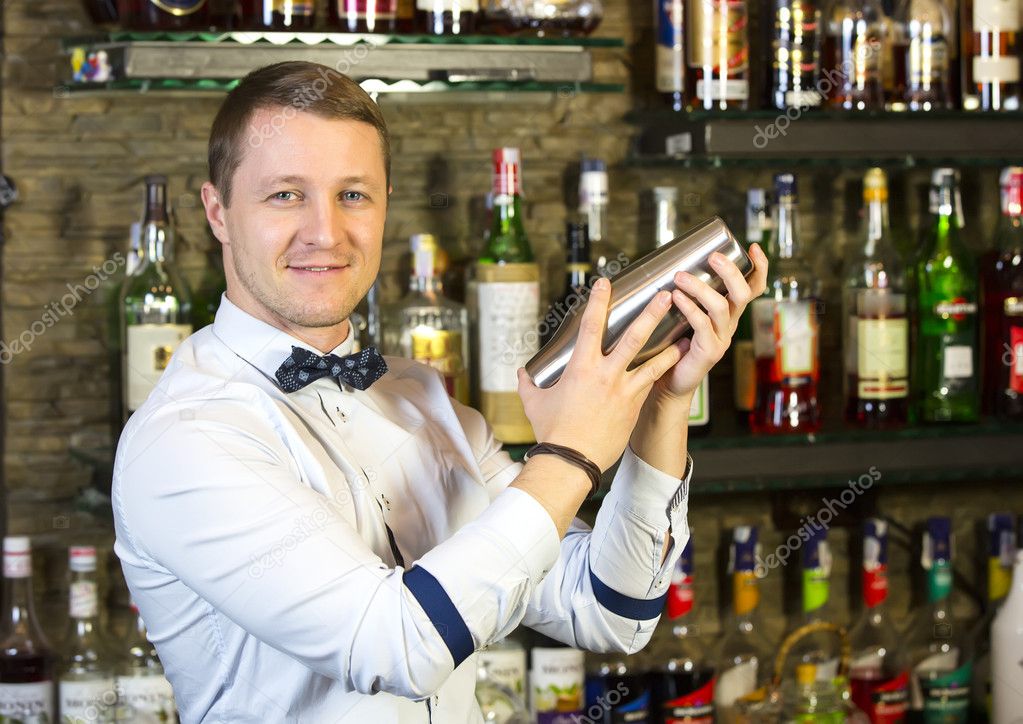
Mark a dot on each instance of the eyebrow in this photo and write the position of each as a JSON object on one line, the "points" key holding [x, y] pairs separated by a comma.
{"points": [[292, 179]]}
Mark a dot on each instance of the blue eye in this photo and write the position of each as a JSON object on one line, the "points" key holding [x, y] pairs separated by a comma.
{"points": [[278, 196], [353, 196]]}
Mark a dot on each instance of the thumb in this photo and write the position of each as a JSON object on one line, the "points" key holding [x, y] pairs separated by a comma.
{"points": [[526, 386]]}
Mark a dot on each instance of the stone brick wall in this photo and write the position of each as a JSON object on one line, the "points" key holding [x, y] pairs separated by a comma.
{"points": [[79, 163]]}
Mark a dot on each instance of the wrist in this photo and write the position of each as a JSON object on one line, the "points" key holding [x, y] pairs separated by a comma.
{"points": [[667, 406]]}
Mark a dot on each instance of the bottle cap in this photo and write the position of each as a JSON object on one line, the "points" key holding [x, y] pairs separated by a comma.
{"points": [[937, 541], [815, 549], [944, 175], [82, 559], [756, 197], [665, 193], [507, 174], [17, 557], [1002, 537], [875, 185], [592, 165], [744, 549], [156, 179], [785, 186], [875, 543]]}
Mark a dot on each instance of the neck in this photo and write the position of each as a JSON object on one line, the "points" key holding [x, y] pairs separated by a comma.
{"points": [[322, 339]]}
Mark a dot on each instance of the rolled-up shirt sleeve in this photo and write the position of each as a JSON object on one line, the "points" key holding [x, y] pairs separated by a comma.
{"points": [[607, 589], [200, 496]]}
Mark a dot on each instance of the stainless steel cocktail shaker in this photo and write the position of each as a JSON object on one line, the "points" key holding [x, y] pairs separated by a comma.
{"points": [[634, 287]]}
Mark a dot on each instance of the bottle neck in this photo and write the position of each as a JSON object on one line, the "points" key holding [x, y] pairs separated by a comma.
{"points": [[745, 596], [877, 225], [426, 285], [939, 584], [508, 241], [816, 591], [947, 222], [785, 239], [20, 609]]}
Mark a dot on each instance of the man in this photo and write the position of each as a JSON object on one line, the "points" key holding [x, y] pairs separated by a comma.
{"points": [[313, 537]]}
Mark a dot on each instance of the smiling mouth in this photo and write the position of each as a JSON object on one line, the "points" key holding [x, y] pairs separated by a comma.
{"points": [[317, 269]]}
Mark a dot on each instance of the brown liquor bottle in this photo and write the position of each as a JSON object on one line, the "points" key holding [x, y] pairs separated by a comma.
{"points": [[164, 14], [447, 17], [363, 16], [279, 14]]}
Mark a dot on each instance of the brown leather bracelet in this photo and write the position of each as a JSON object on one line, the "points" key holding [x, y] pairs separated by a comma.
{"points": [[571, 456]]}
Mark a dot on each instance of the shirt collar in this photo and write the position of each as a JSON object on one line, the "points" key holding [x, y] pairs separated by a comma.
{"points": [[261, 344]]}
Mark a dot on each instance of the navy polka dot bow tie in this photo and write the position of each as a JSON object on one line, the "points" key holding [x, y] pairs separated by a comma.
{"points": [[359, 370]]}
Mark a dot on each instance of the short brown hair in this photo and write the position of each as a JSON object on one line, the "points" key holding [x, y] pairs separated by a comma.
{"points": [[300, 85]]}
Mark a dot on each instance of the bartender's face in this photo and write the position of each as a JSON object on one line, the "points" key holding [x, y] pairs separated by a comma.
{"points": [[303, 233]]}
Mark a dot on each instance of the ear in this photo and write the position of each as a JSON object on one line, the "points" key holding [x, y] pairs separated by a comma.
{"points": [[215, 212]]}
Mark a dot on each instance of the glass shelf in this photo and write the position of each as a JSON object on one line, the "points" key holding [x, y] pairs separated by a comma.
{"points": [[987, 451], [247, 37], [772, 162]]}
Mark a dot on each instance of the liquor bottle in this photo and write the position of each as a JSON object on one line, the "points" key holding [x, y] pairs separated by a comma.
{"points": [[946, 349], [1007, 652], [991, 55], [405, 20], [542, 18], [796, 54], [447, 17], [498, 703], [717, 54], [785, 328], [937, 644], [212, 286], [741, 657], [506, 664], [876, 328], [578, 272], [617, 690], [819, 649], [508, 299], [593, 211], [102, 12], [164, 14], [922, 55], [86, 670], [670, 60], [278, 14], [155, 305], [1003, 304], [26, 659], [813, 699], [1002, 546], [557, 675], [363, 16], [683, 683], [144, 694], [666, 214], [877, 672], [855, 45], [426, 326], [743, 359]]}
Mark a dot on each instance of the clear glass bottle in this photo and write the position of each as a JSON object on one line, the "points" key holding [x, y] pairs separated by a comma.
{"points": [[447, 17], [990, 32], [937, 644], [878, 671], [594, 202], [499, 704], [796, 54], [508, 305], [544, 18], [578, 273], [786, 328], [855, 45], [1003, 304], [428, 327], [683, 679], [946, 381], [506, 664], [744, 364], [819, 649], [922, 55], [742, 657], [717, 54], [1002, 546], [670, 58], [155, 304], [27, 662], [86, 691], [876, 326], [144, 694]]}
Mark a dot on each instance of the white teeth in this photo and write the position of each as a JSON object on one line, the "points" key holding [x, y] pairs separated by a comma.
{"points": [[316, 268]]}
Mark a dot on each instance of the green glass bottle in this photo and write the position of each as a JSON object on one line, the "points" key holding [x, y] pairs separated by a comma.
{"points": [[947, 387]]}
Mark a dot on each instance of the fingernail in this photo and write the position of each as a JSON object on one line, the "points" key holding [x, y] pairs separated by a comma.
{"points": [[663, 298], [601, 284]]}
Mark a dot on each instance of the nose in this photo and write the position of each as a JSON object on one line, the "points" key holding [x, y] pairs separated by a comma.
{"points": [[324, 224]]}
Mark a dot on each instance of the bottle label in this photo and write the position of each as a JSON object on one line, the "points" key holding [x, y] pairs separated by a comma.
{"points": [[84, 599], [745, 374], [694, 708], [875, 585], [442, 350], [735, 683], [927, 58], [87, 701], [506, 666], [367, 9], [149, 350], [745, 592], [1016, 358], [787, 331], [680, 593], [815, 588], [556, 685], [455, 7], [884, 701], [717, 29], [17, 564], [508, 313], [699, 411], [670, 46], [722, 90], [957, 361], [939, 580], [179, 8], [635, 711], [1001, 69], [882, 359], [27, 702], [946, 697], [146, 699], [1002, 15], [293, 7]]}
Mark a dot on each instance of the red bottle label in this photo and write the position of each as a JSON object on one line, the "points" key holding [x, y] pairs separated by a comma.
{"points": [[680, 596], [695, 708], [1015, 359], [885, 701], [875, 585]]}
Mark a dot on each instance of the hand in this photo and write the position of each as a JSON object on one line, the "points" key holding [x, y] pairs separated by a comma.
{"points": [[713, 328], [593, 407]]}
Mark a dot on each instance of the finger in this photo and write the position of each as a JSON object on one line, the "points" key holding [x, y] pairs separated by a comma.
{"points": [[658, 365], [527, 388], [589, 344], [716, 305], [739, 292], [633, 339], [758, 281], [703, 328]]}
